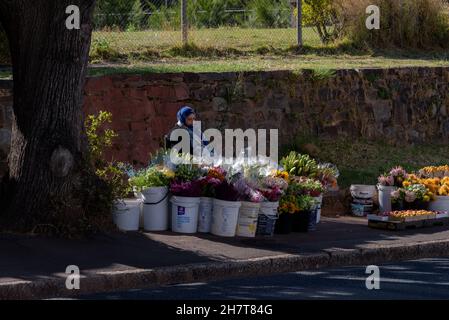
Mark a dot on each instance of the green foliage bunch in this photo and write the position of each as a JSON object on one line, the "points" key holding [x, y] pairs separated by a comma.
{"points": [[301, 165], [150, 177]]}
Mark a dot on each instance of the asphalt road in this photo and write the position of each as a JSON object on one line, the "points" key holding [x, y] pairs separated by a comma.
{"points": [[417, 279]]}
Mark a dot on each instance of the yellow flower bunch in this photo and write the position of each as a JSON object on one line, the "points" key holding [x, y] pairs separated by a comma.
{"points": [[282, 174], [410, 213], [435, 171], [433, 186], [168, 172]]}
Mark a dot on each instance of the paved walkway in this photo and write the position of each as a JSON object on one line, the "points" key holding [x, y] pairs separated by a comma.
{"points": [[37, 258]]}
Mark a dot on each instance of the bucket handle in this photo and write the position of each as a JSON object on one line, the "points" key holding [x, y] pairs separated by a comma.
{"points": [[154, 203]]}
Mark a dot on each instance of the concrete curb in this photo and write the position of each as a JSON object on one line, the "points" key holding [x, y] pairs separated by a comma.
{"points": [[199, 272]]}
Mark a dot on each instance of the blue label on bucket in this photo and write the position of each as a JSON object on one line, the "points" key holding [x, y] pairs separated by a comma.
{"points": [[181, 211]]}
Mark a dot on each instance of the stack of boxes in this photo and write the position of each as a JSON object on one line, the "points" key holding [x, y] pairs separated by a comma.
{"points": [[362, 200]]}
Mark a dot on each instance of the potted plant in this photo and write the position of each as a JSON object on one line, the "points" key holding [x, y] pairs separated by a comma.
{"points": [[226, 209], [152, 185], [186, 191], [387, 183]]}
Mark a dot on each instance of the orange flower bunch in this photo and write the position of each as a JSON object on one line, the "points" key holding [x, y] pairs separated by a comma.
{"points": [[436, 186]]}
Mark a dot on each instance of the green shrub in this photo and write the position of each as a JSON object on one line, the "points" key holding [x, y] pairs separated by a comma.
{"points": [[324, 16], [212, 13], [115, 14], [269, 14], [420, 24], [163, 17]]}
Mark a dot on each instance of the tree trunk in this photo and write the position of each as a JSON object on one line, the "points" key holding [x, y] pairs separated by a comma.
{"points": [[49, 67]]}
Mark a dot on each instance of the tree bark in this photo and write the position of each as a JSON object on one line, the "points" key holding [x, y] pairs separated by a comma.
{"points": [[49, 68]]}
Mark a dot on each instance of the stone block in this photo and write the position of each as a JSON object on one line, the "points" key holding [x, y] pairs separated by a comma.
{"points": [[382, 110]]}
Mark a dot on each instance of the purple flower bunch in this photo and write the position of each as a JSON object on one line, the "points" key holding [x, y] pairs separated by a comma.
{"points": [[272, 188], [247, 191], [208, 184], [186, 188], [227, 191]]}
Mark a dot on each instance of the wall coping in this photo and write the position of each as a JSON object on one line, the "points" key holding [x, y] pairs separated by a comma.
{"points": [[7, 83]]}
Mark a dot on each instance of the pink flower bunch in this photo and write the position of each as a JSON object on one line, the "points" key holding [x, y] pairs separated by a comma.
{"points": [[399, 172], [395, 177], [247, 191], [386, 180], [272, 194], [186, 189], [208, 184]]}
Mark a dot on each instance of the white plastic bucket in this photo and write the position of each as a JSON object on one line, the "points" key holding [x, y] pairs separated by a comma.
{"points": [[247, 223], [154, 194], [205, 214], [269, 208], [441, 203], [225, 217], [185, 214], [319, 202], [247, 227], [385, 198], [155, 209], [362, 191], [126, 214]]}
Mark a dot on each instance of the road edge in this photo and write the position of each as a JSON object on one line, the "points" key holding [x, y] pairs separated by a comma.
{"points": [[200, 272]]}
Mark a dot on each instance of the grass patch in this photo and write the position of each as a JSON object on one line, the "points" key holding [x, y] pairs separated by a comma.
{"points": [[326, 63], [361, 161], [241, 39]]}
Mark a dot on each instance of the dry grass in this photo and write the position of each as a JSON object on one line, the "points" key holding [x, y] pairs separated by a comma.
{"points": [[422, 24]]}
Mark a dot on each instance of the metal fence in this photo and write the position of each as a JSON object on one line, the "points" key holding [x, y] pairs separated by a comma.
{"points": [[134, 25]]}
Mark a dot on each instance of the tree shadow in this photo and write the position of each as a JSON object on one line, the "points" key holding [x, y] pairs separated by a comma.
{"points": [[418, 279], [31, 257]]}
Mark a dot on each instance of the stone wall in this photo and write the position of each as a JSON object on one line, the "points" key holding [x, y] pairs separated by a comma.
{"points": [[404, 105]]}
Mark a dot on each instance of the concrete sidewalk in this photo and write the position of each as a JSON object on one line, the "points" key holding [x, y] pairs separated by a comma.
{"points": [[34, 267]]}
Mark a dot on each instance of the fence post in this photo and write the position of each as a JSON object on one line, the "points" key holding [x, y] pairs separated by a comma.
{"points": [[184, 22], [299, 22]]}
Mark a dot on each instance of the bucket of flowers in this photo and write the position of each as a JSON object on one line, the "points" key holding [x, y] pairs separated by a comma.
{"points": [[126, 211], [328, 174], [272, 188], [313, 188], [152, 185], [387, 183], [186, 193], [212, 177], [288, 207], [297, 209], [226, 207], [411, 197], [250, 199], [436, 179]]}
